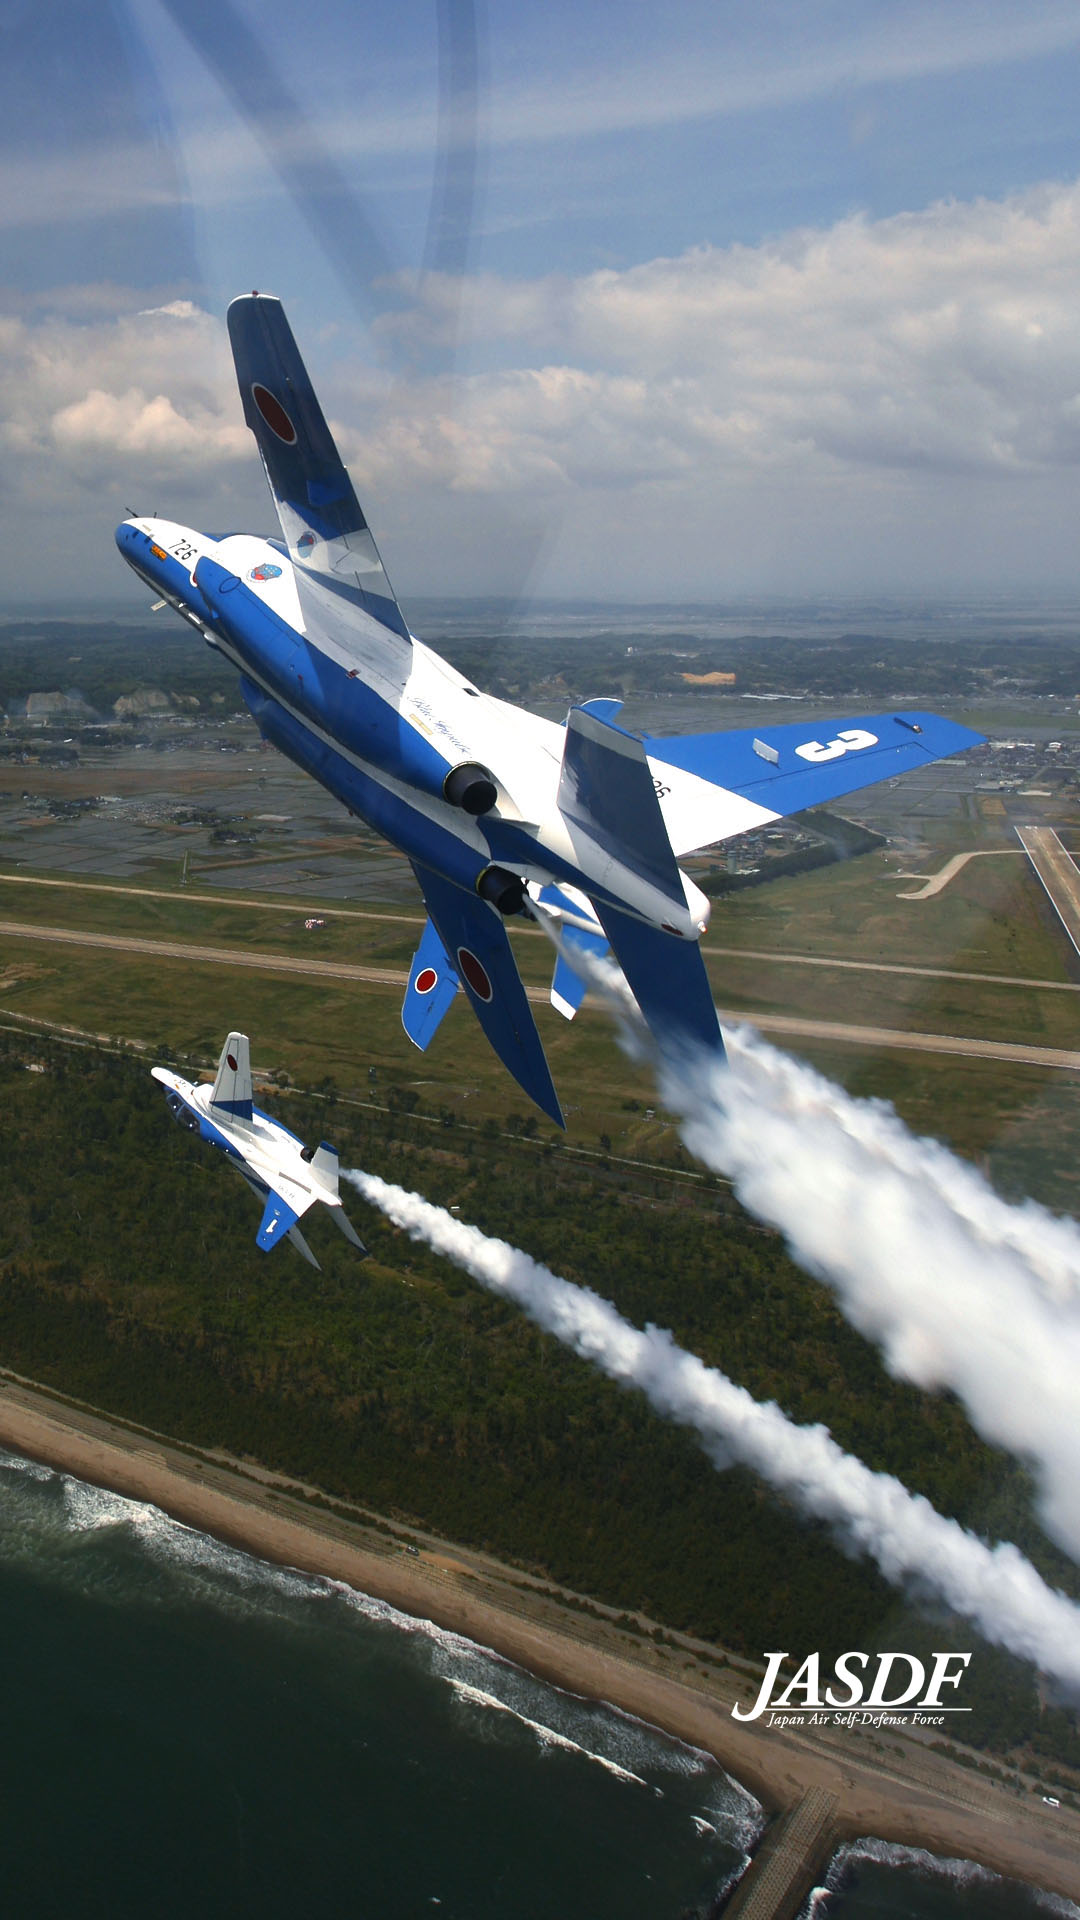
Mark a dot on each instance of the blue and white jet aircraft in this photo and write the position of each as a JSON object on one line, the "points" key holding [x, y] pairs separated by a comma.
{"points": [[287, 1176], [501, 813]]}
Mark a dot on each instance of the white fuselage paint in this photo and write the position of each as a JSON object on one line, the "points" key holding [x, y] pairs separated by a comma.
{"points": [[268, 1151], [522, 751]]}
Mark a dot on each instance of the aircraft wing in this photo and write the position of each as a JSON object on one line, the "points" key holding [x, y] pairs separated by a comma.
{"points": [[277, 1218], [475, 937], [321, 519], [279, 1223], [713, 786]]}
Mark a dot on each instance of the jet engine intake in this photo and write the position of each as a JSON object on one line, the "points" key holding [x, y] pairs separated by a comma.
{"points": [[470, 787], [501, 889]]}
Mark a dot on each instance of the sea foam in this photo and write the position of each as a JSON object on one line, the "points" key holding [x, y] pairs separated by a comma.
{"points": [[73, 1513], [886, 1853]]}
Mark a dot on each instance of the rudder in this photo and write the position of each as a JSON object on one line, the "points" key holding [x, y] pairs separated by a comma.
{"points": [[231, 1091]]}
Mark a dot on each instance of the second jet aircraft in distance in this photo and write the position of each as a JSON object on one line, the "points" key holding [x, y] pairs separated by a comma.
{"points": [[287, 1176]]}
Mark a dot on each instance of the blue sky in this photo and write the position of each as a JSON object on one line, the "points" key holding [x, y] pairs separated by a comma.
{"points": [[691, 302]]}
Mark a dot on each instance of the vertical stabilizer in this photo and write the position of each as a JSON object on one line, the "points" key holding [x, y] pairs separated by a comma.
{"points": [[324, 528], [232, 1088]]}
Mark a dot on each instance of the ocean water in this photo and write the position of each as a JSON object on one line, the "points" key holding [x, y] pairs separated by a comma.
{"points": [[871, 1880], [187, 1730]]}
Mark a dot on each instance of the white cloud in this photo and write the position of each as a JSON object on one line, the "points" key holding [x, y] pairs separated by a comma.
{"points": [[79, 399], [868, 406], [946, 340]]}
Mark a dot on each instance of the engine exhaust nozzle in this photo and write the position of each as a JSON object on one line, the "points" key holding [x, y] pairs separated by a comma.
{"points": [[502, 889], [470, 787]]}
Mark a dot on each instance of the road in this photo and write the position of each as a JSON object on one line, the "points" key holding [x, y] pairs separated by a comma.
{"points": [[1059, 874], [773, 956], [936, 881], [222, 899], [832, 1032]]}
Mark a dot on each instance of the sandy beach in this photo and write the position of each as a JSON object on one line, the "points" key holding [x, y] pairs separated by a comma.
{"points": [[885, 1785]]}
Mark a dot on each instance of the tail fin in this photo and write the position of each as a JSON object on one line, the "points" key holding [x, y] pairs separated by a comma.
{"points": [[232, 1086], [608, 791], [321, 520]]}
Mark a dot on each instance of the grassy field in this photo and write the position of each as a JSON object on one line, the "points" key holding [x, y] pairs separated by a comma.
{"points": [[1022, 1123], [992, 918]]}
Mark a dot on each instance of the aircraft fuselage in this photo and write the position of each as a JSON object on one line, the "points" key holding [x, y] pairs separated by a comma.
{"points": [[393, 731]]}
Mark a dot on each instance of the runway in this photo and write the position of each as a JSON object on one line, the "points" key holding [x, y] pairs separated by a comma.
{"points": [[831, 1032], [1059, 874]]}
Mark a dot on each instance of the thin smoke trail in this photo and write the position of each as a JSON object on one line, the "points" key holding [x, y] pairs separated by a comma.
{"points": [[994, 1587], [958, 1288]]}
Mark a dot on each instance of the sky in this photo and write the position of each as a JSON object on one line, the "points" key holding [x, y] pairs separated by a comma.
{"points": [[703, 302]]}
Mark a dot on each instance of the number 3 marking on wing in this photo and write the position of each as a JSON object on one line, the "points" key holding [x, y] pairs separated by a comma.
{"points": [[850, 741]]}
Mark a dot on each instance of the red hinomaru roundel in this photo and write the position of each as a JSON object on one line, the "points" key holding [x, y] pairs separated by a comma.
{"points": [[474, 974], [426, 980], [274, 414], [231, 1058]]}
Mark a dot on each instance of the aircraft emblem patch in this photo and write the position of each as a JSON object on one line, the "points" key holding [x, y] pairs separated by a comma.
{"points": [[274, 414], [474, 974]]}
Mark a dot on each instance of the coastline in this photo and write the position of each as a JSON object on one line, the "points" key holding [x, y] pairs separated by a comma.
{"points": [[913, 1797]]}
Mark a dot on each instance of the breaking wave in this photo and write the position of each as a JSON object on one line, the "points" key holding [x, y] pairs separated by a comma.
{"points": [[547, 1736], [98, 1542], [929, 1866]]}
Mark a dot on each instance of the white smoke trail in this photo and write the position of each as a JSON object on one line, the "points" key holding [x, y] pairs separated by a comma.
{"points": [[996, 1587], [958, 1288]]}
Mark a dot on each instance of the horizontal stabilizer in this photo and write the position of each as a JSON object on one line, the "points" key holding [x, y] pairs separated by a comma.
{"points": [[568, 987], [345, 1225], [431, 990], [476, 938], [320, 516], [667, 978], [608, 791], [231, 1092], [294, 1234]]}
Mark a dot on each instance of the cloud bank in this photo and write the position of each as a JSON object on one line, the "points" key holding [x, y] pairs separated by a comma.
{"points": [[856, 408]]}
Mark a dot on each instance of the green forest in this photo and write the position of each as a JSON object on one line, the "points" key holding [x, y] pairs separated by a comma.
{"points": [[129, 1279]]}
